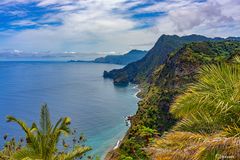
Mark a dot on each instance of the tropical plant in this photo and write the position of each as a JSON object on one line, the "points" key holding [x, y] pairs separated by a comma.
{"points": [[209, 114], [146, 133], [41, 142], [165, 83], [195, 146], [212, 103]]}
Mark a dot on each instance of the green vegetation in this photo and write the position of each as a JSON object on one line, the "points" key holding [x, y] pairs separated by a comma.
{"points": [[142, 70], [209, 111], [41, 141], [169, 81], [189, 109]]}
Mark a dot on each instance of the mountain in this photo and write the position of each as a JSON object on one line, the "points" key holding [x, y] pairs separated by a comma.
{"points": [[132, 56], [169, 80], [142, 69], [234, 38]]}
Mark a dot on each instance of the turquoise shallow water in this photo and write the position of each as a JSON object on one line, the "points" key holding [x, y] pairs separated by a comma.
{"points": [[77, 90]]}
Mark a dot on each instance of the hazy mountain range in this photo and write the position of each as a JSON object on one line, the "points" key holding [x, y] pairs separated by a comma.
{"points": [[143, 68], [164, 74], [131, 56]]}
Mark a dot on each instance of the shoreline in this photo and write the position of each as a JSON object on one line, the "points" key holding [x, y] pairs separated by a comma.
{"points": [[119, 141], [117, 145], [136, 96], [139, 90]]}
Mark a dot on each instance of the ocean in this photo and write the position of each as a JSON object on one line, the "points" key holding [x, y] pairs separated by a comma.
{"points": [[78, 90]]}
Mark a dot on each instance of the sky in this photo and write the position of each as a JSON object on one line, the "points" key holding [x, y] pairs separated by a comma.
{"points": [[108, 26]]}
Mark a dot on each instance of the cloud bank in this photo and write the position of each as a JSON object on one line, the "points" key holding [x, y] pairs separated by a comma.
{"points": [[110, 25]]}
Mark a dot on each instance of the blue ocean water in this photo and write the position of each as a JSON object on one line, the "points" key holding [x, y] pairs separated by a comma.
{"points": [[77, 90]]}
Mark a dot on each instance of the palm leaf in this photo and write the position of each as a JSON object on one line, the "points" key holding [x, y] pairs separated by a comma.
{"points": [[42, 142], [77, 152], [216, 95], [45, 121], [22, 124], [26, 153]]}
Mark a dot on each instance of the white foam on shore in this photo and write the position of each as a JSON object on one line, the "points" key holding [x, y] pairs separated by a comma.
{"points": [[117, 145], [135, 95], [138, 91]]}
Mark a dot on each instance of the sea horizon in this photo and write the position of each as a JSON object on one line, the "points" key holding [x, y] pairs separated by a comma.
{"points": [[28, 84]]}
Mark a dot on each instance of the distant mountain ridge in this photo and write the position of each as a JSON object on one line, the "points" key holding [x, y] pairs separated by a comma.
{"points": [[127, 58], [142, 69], [131, 56]]}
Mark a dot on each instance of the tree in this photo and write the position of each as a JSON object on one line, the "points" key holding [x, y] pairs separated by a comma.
{"points": [[147, 133], [42, 140]]}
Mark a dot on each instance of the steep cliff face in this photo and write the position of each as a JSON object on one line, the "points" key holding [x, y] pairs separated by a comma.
{"points": [[169, 80], [142, 70]]}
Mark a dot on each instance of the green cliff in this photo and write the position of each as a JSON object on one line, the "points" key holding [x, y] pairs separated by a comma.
{"points": [[169, 79], [142, 69]]}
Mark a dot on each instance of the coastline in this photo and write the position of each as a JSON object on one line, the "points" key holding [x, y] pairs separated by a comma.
{"points": [[119, 141], [137, 97], [115, 144], [137, 93]]}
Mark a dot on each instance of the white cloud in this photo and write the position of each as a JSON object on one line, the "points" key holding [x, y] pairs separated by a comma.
{"points": [[3, 2], [91, 30], [195, 15], [93, 26], [23, 23], [211, 18], [17, 51], [50, 2]]}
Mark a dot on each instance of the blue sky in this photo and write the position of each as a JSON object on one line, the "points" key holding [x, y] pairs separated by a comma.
{"points": [[109, 26]]}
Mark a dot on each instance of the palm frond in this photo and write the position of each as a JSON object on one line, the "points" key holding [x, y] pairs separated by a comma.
{"points": [[237, 59], [64, 127], [30, 137], [200, 122], [57, 125], [216, 95], [187, 145], [178, 140], [22, 124], [232, 131], [41, 143], [209, 118], [216, 146], [26, 153], [45, 121], [77, 152]]}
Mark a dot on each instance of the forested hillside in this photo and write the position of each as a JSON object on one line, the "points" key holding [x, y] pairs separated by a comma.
{"points": [[168, 81], [142, 70]]}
